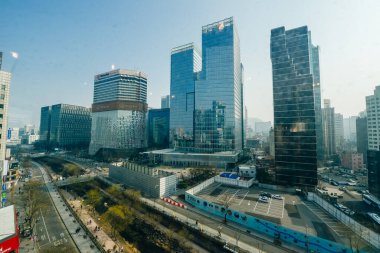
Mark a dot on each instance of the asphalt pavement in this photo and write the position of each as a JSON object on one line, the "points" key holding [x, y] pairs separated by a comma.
{"points": [[57, 238]]}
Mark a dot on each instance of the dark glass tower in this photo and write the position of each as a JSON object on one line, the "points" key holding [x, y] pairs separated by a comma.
{"points": [[294, 79], [362, 136], [219, 90]]}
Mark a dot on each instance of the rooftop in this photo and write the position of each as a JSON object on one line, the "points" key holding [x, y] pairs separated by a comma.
{"points": [[121, 72], [8, 223]]}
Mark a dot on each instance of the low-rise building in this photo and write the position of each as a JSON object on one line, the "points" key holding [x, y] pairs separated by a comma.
{"points": [[150, 181], [352, 160]]}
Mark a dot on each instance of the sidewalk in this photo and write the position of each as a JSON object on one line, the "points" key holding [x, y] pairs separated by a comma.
{"points": [[91, 224], [83, 242]]}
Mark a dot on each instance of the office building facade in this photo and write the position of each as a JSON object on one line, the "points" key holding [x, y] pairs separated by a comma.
{"points": [[65, 126], [352, 160], [339, 131], [119, 111], [219, 91], [5, 81], [349, 125], [373, 153], [165, 102], [294, 83], [328, 122], [158, 128], [317, 101], [362, 136], [45, 120], [185, 63]]}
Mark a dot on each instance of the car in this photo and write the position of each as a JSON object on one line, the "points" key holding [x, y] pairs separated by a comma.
{"points": [[374, 217], [263, 199], [276, 196], [265, 194]]}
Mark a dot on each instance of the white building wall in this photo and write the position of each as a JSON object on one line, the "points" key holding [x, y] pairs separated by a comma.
{"points": [[5, 80]]}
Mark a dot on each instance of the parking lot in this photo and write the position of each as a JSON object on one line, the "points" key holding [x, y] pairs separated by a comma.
{"points": [[290, 211], [246, 200]]}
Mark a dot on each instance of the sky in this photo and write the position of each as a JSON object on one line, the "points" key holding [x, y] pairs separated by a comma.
{"points": [[63, 44]]}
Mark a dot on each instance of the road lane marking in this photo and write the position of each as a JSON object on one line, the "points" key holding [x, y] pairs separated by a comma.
{"points": [[45, 225], [270, 202], [231, 198], [243, 198]]}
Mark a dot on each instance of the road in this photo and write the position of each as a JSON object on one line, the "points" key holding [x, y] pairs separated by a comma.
{"points": [[83, 242], [50, 233]]}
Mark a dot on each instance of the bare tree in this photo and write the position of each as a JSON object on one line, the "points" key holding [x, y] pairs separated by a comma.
{"points": [[34, 201]]}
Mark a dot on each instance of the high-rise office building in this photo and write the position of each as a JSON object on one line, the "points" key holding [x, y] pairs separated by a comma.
{"points": [[349, 125], [119, 111], [362, 136], [5, 81], [339, 131], [219, 90], [64, 125], [185, 63], [295, 118], [165, 101], [373, 153], [328, 122], [70, 126], [45, 120], [317, 101], [158, 127]]}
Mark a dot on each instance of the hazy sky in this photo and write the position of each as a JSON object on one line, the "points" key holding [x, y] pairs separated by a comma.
{"points": [[63, 44]]}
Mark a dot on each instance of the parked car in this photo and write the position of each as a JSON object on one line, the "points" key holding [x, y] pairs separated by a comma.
{"points": [[276, 196], [266, 194], [263, 199]]}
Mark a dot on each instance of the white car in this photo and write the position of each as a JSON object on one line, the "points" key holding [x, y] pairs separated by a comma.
{"points": [[263, 199], [276, 196]]}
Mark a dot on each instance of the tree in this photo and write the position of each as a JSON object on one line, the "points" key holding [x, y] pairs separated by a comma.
{"points": [[133, 195], [226, 204], [118, 216], [93, 198], [34, 201], [115, 191]]}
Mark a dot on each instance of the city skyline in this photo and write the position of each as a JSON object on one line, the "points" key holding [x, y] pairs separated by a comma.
{"points": [[68, 63]]}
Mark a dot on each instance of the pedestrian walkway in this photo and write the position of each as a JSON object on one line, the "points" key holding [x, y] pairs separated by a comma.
{"points": [[83, 242], [92, 225]]}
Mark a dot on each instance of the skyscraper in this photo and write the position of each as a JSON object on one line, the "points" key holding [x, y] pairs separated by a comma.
{"points": [[185, 63], [362, 136], [294, 81], [165, 101], [349, 125], [5, 81], [373, 153], [218, 90], [317, 101], [119, 111], [339, 131], [328, 122], [45, 121], [70, 126]]}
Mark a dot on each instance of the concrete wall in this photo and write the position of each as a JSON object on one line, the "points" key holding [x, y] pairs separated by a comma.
{"points": [[234, 182], [151, 185]]}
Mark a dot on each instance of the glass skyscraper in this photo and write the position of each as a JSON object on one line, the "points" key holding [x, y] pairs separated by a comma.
{"points": [[294, 76], [185, 63], [219, 91]]}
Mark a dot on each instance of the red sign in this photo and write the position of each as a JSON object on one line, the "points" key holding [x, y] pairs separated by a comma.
{"points": [[10, 245]]}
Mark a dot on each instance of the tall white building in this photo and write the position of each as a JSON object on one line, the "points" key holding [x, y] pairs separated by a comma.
{"points": [[5, 81], [339, 131], [119, 111], [349, 125], [373, 120]]}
